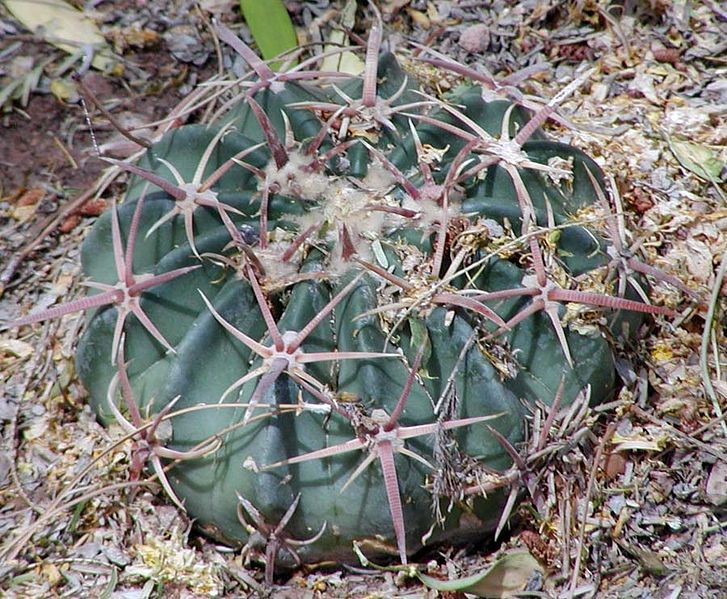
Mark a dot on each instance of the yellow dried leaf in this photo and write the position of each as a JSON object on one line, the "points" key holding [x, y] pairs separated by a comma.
{"points": [[433, 13], [662, 353], [134, 37], [52, 574], [15, 347], [23, 213], [419, 18], [63, 89], [346, 62], [699, 159], [38, 429], [62, 25], [641, 440]]}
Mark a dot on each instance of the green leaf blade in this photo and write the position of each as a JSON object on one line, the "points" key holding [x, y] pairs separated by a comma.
{"points": [[270, 26], [505, 578]]}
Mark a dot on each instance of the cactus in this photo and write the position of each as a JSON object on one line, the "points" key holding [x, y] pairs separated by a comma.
{"points": [[351, 294]]}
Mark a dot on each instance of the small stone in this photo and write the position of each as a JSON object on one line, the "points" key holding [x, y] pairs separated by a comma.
{"points": [[716, 488], [88, 550], [475, 39], [614, 465]]}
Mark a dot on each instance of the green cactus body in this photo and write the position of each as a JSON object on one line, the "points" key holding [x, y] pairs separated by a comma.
{"points": [[348, 202]]}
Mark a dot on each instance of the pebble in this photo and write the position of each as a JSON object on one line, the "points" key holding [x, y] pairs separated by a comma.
{"points": [[475, 39]]}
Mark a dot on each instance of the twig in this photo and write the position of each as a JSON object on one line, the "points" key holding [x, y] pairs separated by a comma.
{"points": [[564, 513], [66, 153], [91, 97], [717, 526], [215, 39], [710, 424], [586, 500], [704, 350], [616, 29]]}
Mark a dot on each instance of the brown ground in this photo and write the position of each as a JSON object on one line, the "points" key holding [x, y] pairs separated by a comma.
{"points": [[655, 523]]}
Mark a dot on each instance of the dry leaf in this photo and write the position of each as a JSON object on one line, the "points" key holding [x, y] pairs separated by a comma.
{"points": [[507, 577], [347, 62], [645, 439], [15, 347], [63, 26], [23, 213], [699, 159], [64, 89], [699, 260], [419, 18], [644, 84]]}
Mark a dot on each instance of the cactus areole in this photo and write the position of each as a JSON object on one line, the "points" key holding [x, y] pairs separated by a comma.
{"points": [[324, 305]]}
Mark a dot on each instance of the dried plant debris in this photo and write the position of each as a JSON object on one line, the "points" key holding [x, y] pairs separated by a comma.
{"points": [[80, 514]]}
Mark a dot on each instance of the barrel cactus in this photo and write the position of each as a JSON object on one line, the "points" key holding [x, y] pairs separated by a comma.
{"points": [[326, 311]]}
